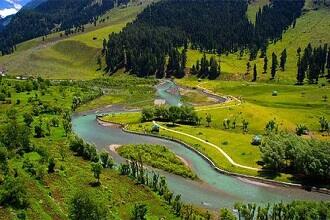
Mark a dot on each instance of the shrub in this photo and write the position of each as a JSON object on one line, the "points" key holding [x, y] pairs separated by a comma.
{"points": [[84, 207], [13, 193], [51, 165], [302, 130], [139, 212]]}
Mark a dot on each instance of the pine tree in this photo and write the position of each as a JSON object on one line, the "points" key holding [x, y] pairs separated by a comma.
{"points": [[274, 65], [328, 63], [265, 64], [323, 60], [204, 69], [248, 67], [300, 74], [213, 73], [254, 73], [283, 59]]}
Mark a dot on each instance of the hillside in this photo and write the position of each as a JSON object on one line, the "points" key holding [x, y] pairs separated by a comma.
{"points": [[72, 57], [49, 16], [312, 27]]}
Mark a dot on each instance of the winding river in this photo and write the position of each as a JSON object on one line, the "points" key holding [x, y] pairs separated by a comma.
{"points": [[214, 190]]}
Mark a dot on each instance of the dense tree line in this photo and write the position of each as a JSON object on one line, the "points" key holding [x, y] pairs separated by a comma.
{"points": [[292, 210], [49, 16], [205, 68], [215, 26], [312, 64], [183, 114], [309, 159]]}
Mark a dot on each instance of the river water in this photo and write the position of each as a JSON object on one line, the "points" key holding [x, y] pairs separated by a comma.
{"points": [[213, 190]]}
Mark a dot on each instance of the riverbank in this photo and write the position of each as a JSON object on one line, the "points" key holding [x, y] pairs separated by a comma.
{"points": [[251, 179]]}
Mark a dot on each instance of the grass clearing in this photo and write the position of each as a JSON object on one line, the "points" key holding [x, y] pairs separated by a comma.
{"points": [[157, 156]]}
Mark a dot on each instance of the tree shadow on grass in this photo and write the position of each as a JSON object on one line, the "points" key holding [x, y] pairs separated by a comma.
{"points": [[95, 184], [306, 183], [171, 125]]}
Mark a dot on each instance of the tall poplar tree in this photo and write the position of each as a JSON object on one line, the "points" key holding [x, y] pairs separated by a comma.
{"points": [[274, 65]]}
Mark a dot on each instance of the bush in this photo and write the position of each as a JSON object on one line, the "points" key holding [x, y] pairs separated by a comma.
{"points": [[84, 207], [13, 193], [256, 140], [287, 152], [139, 212], [87, 151], [302, 130], [51, 165]]}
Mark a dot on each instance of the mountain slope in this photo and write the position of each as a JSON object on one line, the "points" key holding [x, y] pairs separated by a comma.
{"points": [[72, 57], [49, 16]]}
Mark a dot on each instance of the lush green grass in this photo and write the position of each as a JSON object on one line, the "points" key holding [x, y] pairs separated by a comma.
{"points": [[293, 105], [157, 156], [50, 197], [125, 90]]}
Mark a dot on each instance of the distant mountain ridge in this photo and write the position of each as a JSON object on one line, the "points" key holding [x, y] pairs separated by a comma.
{"points": [[33, 4]]}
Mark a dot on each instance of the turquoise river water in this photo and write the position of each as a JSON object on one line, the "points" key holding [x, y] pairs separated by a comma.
{"points": [[213, 190]]}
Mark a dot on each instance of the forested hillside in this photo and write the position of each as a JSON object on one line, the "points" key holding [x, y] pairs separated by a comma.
{"points": [[216, 26], [50, 16]]}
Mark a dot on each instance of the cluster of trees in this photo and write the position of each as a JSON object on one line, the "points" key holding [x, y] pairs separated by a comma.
{"points": [[204, 68], [313, 63], [215, 26], [293, 210], [287, 152], [157, 156], [29, 23], [174, 114], [273, 19], [135, 169], [88, 152]]}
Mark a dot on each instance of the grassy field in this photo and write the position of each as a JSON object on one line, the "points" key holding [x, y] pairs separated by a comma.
{"points": [[72, 57], [157, 156], [49, 198]]}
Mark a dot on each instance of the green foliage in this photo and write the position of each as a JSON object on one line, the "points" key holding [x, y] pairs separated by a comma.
{"points": [[226, 214], [271, 127], [4, 159], [15, 135], [84, 207], [106, 160], [13, 193], [87, 151], [157, 156], [51, 165], [310, 158], [97, 170], [174, 114], [139, 212], [324, 124], [301, 129], [28, 119], [293, 210]]}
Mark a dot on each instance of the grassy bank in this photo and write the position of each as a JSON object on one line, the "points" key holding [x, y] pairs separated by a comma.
{"points": [[157, 156]]}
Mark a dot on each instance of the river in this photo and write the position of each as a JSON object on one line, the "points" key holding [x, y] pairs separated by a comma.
{"points": [[214, 190]]}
